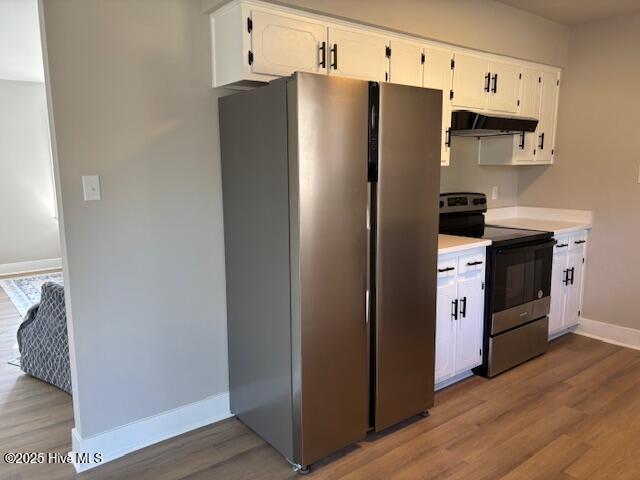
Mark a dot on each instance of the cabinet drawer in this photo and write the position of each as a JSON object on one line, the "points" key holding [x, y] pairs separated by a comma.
{"points": [[563, 244], [447, 267], [578, 240], [471, 263]]}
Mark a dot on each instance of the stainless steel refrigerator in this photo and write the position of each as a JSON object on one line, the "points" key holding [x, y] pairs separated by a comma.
{"points": [[330, 193]]}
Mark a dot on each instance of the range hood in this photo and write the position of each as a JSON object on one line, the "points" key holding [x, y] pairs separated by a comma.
{"points": [[466, 123]]}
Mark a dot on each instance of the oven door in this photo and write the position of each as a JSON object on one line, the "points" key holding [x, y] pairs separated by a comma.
{"points": [[521, 284]]}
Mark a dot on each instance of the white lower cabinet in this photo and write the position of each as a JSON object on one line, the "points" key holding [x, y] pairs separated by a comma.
{"points": [[460, 314], [567, 280]]}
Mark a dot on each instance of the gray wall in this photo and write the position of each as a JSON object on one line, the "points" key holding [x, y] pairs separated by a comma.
{"points": [[597, 162], [132, 102], [465, 175], [28, 229]]}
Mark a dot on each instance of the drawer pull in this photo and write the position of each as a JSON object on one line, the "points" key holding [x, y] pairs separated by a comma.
{"points": [[578, 242], [473, 264], [562, 246], [448, 269]]}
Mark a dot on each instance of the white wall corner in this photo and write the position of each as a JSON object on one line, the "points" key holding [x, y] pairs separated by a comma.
{"points": [[31, 266], [607, 332], [142, 433]]}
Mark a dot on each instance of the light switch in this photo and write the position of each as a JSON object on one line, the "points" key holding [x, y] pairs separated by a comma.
{"points": [[91, 187]]}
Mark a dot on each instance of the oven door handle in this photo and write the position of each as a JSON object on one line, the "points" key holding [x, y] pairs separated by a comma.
{"points": [[535, 246]]}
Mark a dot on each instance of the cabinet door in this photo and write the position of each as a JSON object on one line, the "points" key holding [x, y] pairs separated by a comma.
{"points": [[524, 147], [470, 321], [546, 125], [405, 63], [282, 45], [558, 288], [574, 288], [438, 74], [356, 54], [530, 90], [505, 87], [470, 81], [445, 328]]}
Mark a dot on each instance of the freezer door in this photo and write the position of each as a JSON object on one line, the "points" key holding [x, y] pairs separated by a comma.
{"points": [[328, 196], [407, 243]]}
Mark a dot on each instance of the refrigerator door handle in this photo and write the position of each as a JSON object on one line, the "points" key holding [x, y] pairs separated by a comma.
{"points": [[366, 308]]}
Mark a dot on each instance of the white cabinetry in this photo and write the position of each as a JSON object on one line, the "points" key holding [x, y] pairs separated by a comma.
{"points": [[471, 81], [505, 87], [567, 281], [254, 42], [357, 54], [438, 74], [483, 84], [282, 44], [406, 63], [460, 314], [545, 133]]}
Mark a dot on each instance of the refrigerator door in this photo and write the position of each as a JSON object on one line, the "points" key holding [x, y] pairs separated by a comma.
{"points": [[328, 202], [407, 244]]}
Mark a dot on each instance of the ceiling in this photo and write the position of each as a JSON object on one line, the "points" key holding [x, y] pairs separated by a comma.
{"points": [[571, 12]]}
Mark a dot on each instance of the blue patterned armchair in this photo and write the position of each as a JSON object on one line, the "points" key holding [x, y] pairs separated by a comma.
{"points": [[43, 340]]}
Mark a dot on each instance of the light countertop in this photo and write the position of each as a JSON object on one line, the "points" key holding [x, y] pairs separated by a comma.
{"points": [[558, 221], [453, 243], [558, 227]]}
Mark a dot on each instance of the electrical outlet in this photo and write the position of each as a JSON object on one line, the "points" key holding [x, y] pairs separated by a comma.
{"points": [[494, 193]]}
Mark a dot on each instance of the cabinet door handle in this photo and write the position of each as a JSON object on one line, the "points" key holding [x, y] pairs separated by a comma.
{"points": [[487, 80], [323, 54], [448, 269], [494, 89], [579, 242], [541, 146], [472, 264], [573, 272], [565, 280], [521, 141], [447, 140], [463, 307], [563, 245], [454, 309], [334, 50]]}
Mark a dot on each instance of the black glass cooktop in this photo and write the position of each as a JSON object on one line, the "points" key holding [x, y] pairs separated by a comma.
{"points": [[500, 236]]}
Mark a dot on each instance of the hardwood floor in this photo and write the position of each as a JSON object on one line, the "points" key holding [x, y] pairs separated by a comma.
{"points": [[571, 414], [34, 416]]}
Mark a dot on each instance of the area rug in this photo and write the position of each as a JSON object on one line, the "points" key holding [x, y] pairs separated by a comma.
{"points": [[25, 291]]}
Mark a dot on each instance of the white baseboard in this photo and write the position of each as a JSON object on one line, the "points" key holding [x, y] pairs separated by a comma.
{"points": [[32, 266], [452, 380], [607, 332], [134, 436]]}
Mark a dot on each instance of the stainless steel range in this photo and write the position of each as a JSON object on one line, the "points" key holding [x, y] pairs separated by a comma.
{"points": [[518, 282]]}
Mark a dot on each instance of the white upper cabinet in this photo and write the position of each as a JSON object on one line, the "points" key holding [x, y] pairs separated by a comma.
{"points": [[405, 63], [504, 87], [547, 120], [356, 54], [471, 81], [438, 74], [282, 45], [531, 88]]}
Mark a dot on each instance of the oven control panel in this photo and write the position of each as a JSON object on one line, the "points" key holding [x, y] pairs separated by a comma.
{"points": [[463, 202]]}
